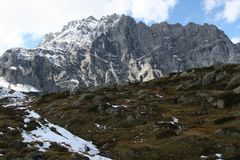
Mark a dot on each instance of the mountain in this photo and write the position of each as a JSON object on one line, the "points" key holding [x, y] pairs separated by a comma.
{"points": [[192, 115], [115, 49]]}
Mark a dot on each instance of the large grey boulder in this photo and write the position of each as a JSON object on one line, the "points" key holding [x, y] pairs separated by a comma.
{"points": [[237, 90], [209, 78], [234, 81]]}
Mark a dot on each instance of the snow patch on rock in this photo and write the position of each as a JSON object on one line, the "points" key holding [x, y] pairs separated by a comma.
{"points": [[17, 87]]}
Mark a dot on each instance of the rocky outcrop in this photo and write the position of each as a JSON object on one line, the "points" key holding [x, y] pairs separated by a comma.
{"points": [[229, 132], [115, 49]]}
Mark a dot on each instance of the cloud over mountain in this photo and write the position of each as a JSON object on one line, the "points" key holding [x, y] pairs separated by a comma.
{"points": [[37, 17]]}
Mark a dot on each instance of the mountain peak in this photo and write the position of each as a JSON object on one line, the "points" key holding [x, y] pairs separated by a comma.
{"points": [[115, 49], [91, 18], [81, 32]]}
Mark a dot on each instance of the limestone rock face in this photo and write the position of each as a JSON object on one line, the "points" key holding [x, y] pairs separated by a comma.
{"points": [[115, 49]]}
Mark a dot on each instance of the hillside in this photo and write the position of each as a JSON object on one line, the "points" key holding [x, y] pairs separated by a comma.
{"points": [[187, 115]]}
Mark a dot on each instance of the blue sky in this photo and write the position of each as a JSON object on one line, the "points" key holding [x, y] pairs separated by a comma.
{"points": [[29, 20], [29, 41], [193, 11]]}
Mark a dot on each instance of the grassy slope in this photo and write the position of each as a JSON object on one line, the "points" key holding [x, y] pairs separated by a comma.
{"points": [[135, 132]]}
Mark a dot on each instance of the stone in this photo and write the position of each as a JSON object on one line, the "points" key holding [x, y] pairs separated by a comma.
{"points": [[202, 94], [167, 125], [112, 111], [192, 83], [220, 77], [34, 156], [179, 87], [130, 118], [199, 113], [229, 132], [186, 99], [235, 81], [220, 103], [210, 99], [97, 100], [76, 104], [184, 74], [140, 93], [237, 90], [208, 78], [84, 96]]}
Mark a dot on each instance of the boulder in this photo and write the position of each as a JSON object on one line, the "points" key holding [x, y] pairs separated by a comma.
{"points": [[235, 81], [208, 78], [186, 99], [184, 74], [112, 111], [34, 156], [140, 93], [220, 77], [229, 132], [168, 125], [84, 96], [220, 103], [192, 83], [130, 118], [237, 90], [97, 100]]}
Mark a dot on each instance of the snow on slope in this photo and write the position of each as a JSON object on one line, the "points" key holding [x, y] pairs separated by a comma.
{"points": [[16, 87], [4, 92], [47, 133], [80, 32]]}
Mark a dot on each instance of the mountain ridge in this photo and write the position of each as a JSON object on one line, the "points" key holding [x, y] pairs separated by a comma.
{"points": [[115, 49]]}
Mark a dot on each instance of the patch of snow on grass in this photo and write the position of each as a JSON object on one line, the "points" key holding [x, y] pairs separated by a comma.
{"points": [[175, 120], [11, 129], [159, 96], [26, 120], [204, 157], [100, 126], [219, 156], [43, 147], [32, 114], [45, 133], [48, 133], [119, 106]]}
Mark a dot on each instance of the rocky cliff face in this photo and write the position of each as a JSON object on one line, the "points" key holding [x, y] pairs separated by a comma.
{"points": [[115, 49]]}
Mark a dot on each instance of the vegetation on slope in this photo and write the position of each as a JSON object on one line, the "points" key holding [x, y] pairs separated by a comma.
{"points": [[180, 116]]}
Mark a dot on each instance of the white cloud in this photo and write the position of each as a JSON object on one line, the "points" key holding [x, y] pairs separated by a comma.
{"points": [[235, 39], [230, 11], [209, 5], [37, 17], [148, 10]]}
